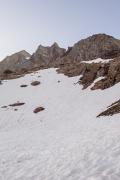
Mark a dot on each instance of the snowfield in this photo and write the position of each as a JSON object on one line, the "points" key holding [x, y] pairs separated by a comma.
{"points": [[65, 141]]}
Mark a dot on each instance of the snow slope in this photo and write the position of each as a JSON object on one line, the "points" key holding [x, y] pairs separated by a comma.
{"points": [[65, 141]]}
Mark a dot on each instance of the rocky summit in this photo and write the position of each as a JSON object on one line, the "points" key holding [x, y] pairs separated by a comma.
{"points": [[96, 46], [47, 56], [73, 62], [15, 62]]}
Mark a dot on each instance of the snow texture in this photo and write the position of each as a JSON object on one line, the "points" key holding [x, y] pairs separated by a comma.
{"points": [[65, 141], [99, 60]]}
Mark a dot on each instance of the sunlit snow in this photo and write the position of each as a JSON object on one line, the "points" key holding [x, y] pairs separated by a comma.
{"points": [[98, 60], [65, 141]]}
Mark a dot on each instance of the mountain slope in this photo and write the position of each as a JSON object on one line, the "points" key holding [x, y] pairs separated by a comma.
{"points": [[66, 140]]}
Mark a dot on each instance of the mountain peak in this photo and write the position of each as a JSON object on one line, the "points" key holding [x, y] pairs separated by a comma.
{"points": [[102, 38], [55, 44], [93, 47], [46, 56], [24, 52], [100, 35]]}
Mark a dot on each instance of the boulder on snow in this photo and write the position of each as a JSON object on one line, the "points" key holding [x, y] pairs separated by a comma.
{"points": [[24, 85], [38, 109], [35, 83], [17, 104]]}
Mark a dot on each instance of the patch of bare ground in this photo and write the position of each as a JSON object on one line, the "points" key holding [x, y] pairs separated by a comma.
{"points": [[38, 109], [35, 83], [114, 108]]}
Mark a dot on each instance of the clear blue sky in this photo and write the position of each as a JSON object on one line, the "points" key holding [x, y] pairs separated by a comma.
{"points": [[24, 24]]}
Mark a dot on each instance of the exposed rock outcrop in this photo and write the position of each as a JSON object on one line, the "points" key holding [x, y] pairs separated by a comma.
{"points": [[112, 75], [112, 109], [110, 72]]}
